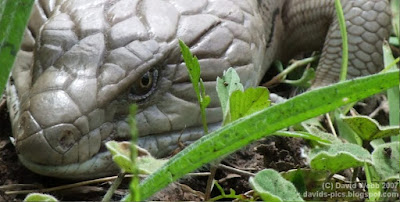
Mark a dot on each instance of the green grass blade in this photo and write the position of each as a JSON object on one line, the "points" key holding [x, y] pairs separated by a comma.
{"points": [[393, 94], [395, 6], [14, 15], [134, 187], [343, 32], [260, 124]]}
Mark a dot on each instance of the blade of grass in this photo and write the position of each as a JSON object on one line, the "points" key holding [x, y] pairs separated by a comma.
{"points": [[260, 124], [393, 93], [395, 6], [14, 15], [343, 32], [134, 185]]}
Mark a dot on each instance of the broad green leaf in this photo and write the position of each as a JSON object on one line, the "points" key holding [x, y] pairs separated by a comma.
{"points": [[121, 156], [226, 85], [369, 129], [14, 15], [386, 161], [258, 125], [375, 143], [337, 157], [271, 186], [245, 103], [34, 197], [344, 130]]}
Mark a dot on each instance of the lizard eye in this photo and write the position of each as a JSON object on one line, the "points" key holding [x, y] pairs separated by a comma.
{"points": [[144, 86]]}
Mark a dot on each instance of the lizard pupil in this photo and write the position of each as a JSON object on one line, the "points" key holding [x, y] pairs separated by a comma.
{"points": [[146, 81]]}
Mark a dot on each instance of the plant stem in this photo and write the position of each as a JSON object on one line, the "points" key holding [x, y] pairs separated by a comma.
{"points": [[114, 186], [278, 78], [210, 180], [134, 187]]}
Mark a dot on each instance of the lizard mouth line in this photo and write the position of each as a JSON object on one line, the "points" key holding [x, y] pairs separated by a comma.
{"points": [[102, 160]]}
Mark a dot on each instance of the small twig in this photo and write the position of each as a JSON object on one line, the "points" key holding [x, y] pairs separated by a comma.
{"points": [[18, 186], [62, 187], [190, 190], [330, 124], [210, 181], [353, 112], [68, 186], [378, 109], [340, 178], [235, 170], [113, 187], [355, 174], [199, 174]]}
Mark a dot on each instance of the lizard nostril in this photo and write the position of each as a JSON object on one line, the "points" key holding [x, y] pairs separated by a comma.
{"points": [[63, 137], [67, 139]]}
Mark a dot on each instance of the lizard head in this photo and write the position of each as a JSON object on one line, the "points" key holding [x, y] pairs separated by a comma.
{"points": [[93, 59]]}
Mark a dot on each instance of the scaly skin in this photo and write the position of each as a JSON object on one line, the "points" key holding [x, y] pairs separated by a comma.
{"points": [[76, 76]]}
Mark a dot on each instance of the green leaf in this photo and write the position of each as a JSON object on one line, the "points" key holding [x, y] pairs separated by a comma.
{"points": [[369, 129], [34, 197], [120, 152], [376, 143], [386, 160], [14, 15], [306, 179], [205, 99], [337, 157], [192, 64], [314, 130], [258, 125], [344, 130], [193, 67], [226, 85], [271, 186], [245, 103]]}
